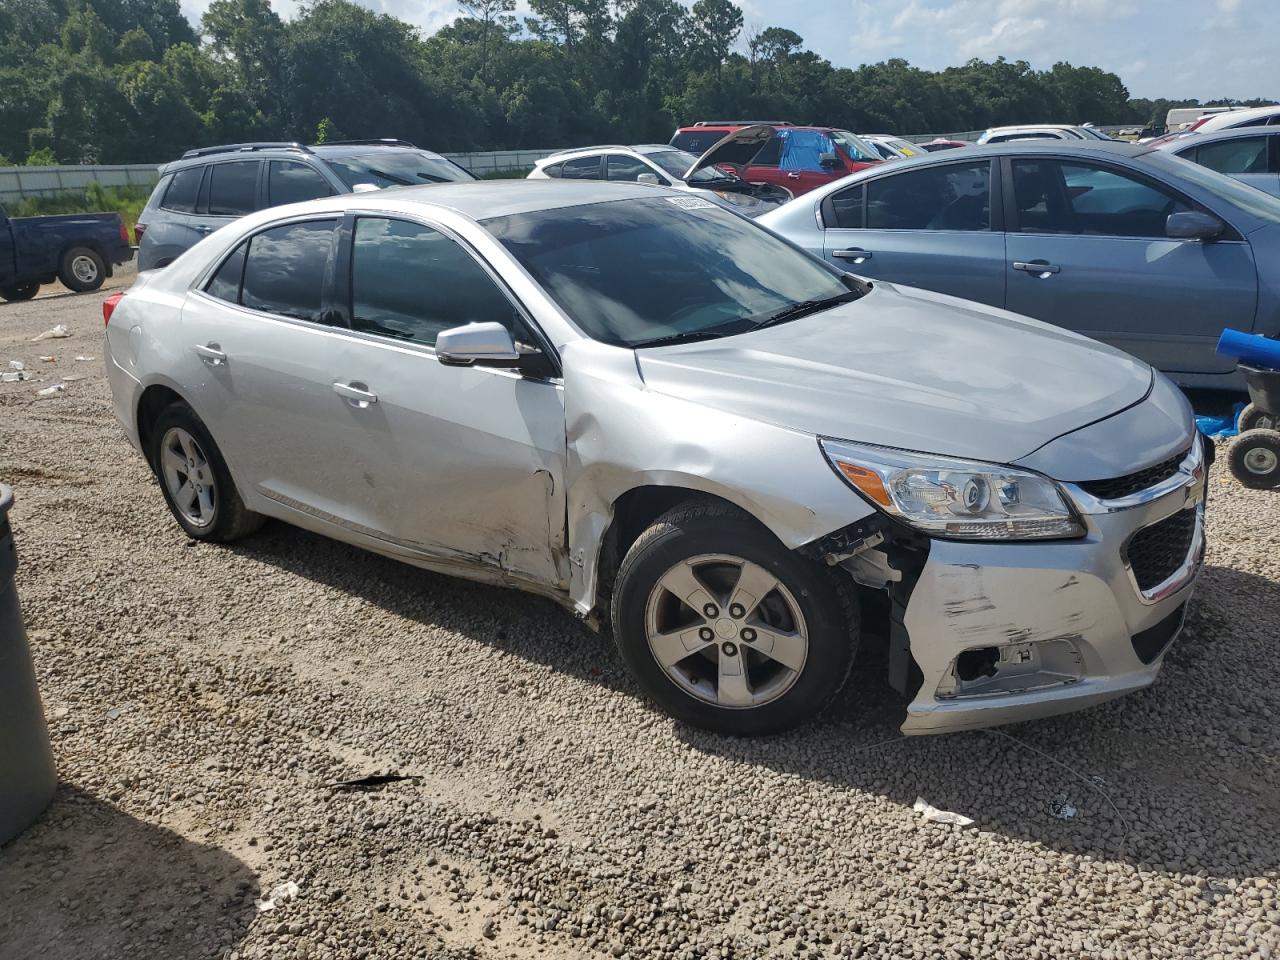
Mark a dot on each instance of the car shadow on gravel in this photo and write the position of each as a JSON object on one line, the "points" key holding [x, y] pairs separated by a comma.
{"points": [[88, 880], [1154, 778]]}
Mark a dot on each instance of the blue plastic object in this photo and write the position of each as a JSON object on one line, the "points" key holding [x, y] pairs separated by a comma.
{"points": [[1251, 348], [1220, 426]]}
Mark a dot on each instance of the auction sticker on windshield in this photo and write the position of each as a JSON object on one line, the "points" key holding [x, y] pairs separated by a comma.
{"points": [[691, 203]]}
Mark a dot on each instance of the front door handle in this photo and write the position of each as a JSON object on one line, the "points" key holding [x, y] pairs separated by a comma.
{"points": [[201, 228], [357, 394], [856, 254], [793, 176], [211, 353], [1041, 268]]}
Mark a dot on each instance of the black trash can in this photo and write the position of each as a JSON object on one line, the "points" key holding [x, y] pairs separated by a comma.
{"points": [[27, 776]]}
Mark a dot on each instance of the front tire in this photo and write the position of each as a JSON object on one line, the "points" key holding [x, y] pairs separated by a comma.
{"points": [[82, 269], [1255, 459], [20, 291], [727, 629], [194, 478]]}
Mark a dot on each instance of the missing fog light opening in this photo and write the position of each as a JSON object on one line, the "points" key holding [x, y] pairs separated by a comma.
{"points": [[1012, 668]]}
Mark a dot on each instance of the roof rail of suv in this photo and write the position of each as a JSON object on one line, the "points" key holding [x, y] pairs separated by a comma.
{"points": [[244, 148], [743, 123], [594, 146], [384, 142]]}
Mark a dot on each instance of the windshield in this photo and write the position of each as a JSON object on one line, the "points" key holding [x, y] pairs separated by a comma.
{"points": [[631, 272], [1240, 195], [857, 148], [677, 162], [396, 168]]}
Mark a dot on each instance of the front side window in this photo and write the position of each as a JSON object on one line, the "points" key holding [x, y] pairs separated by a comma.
{"points": [[802, 150], [718, 274], [1241, 155], [289, 181], [859, 150], [395, 168], [955, 196], [619, 166], [1053, 196], [181, 195], [233, 188], [581, 168], [409, 281], [284, 271]]}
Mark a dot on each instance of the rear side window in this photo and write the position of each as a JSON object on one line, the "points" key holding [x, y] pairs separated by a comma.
{"points": [[285, 269], [697, 142], [583, 168], [181, 195], [409, 281], [843, 210], [553, 170], [289, 181], [770, 154], [233, 188], [1242, 155], [225, 284], [956, 196]]}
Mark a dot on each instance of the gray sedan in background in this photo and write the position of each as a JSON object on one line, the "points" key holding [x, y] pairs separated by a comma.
{"points": [[1250, 154], [639, 404], [1123, 243]]}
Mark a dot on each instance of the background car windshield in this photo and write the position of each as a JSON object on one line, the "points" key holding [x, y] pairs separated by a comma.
{"points": [[396, 168], [633, 271], [857, 148], [676, 162]]}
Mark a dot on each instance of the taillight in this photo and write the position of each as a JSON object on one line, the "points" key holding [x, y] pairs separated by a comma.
{"points": [[138, 230], [109, 306]]}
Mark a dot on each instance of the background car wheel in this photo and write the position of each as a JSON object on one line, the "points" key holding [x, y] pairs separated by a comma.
{"points": [[82, 269], [20, 291], [1253, 417], [727, 629], [195, 480], [1255, 459]]}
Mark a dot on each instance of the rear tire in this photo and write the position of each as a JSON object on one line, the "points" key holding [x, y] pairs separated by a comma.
{"points": [[727, 629], [20, 291], [82, 269], [194, 478], [1253, 417], [1255, 459]]}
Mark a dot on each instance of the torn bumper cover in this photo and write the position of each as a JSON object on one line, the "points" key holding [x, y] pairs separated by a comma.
{"points": [[1005, 632]]}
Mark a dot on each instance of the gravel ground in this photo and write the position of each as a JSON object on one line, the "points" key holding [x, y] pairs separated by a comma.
{"points": [[203, 701]]}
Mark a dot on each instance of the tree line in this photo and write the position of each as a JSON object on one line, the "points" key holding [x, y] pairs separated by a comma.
{"points": [[122, 81]]}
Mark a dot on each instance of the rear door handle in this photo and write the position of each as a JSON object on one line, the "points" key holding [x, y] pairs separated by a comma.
{"points": [[855, 254], [357, 394], [1041, 268], [211, 353], [201, 228], [793, 176]]}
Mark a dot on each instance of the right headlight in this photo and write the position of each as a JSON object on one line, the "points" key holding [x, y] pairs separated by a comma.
{"points": [[955, 498]]}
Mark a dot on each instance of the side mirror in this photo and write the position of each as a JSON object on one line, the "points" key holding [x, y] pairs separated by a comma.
{"points": [[651, 178], [1193, 225], [477, 344], [830, 161]]}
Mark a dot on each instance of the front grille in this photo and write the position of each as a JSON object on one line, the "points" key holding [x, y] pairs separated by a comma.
{"points": [[1156, 552], [1132, 483]]}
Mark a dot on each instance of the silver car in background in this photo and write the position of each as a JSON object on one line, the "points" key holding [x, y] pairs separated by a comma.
{"points": [[1249, 154], [685, 430]]}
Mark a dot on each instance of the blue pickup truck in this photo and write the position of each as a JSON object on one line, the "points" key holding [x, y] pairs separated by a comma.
{"points": [[80, 249]]}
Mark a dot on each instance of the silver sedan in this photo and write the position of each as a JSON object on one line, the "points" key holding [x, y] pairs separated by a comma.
{"points": [[685, 430]]}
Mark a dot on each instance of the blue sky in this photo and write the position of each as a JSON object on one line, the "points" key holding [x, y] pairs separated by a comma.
{"points": [[1172, 48]]}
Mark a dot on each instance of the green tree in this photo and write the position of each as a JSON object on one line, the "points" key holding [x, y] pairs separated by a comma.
{"points": [[716, 25]]}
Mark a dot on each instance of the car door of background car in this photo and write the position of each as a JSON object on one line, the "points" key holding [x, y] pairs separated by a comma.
{"points": [[927, 227], [1253, 160], [1087, 250], [176, 229], [462, 463]]}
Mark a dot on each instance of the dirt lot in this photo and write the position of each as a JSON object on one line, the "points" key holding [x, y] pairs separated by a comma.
{"points": [[202, 701]]}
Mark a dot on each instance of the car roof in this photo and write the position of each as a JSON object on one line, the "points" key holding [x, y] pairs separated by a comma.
{"points": [[1234, 133], [1083, 148], [249, 151], [484, 199], [641, 148], [730, 127], [1243, 116]]}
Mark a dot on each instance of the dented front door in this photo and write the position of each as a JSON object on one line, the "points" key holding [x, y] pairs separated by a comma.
{"points": [[461, 463]]}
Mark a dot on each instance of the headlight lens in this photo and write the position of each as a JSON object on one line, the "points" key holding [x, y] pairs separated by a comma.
{"points": [[955, 498]]}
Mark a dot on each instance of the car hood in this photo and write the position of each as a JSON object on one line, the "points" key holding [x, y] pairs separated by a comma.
{"points": [[736, 149], [907, 368]]}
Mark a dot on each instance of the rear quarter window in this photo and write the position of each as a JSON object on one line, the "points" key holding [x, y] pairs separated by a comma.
{"points": [[180, 197]]}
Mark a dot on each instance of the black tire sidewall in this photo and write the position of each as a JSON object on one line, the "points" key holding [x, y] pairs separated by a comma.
{"points": [[68, 277], [1244, 423], [831, 619], [1241, 445], [19, 292], [181, 415]]}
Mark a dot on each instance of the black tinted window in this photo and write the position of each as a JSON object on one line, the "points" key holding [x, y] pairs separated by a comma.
{"points": [[284, 272], [181, 195], [225, 284], [410, 282], [292, 182], [584, 168], [770, 154], [697, 142], [233, 188], [845, 209], [1056, 197], [951, 197], [1239, 155], [621, 167], [553, 170]]}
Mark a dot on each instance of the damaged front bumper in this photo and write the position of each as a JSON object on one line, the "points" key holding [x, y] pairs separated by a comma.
{"points": [[1005, 632]]}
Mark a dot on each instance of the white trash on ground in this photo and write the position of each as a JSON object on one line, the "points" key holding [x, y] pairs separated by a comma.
{"points": [[56, 333], [52, 391], [1061, 807], [934, 815], [280, 893]]}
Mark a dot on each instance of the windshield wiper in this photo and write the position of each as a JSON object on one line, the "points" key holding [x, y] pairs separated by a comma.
{"points": [[693, 336], [804, 308]]}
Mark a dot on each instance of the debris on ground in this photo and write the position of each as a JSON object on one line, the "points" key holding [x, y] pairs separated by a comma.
{"points": [[280, 893], [83, 359], [53, 333], [934, 815], [14, 376], [52, 391], [49, 359], [16, 365], [1061, 807], [372, 780]]}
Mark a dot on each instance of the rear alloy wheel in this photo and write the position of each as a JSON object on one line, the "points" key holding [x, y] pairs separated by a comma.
{"points": [[727, 629], [20, 291], [1255, 459], [82, 269]]}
